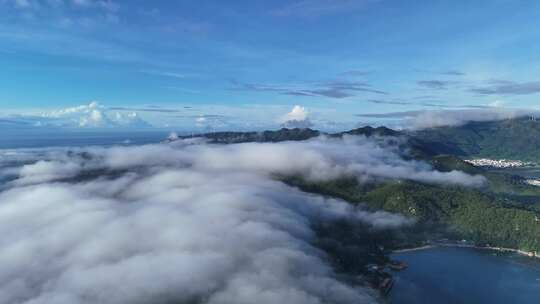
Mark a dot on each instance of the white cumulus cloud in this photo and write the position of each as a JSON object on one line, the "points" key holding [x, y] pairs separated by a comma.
{"points": [[296, 118], [93, 115]]}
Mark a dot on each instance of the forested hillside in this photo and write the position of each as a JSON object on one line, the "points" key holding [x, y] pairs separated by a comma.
{"points": [[517, 139], [504, 212]]}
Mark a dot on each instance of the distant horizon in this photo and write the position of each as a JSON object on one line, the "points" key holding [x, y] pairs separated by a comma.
{"points": [[35, 137], [95, 117]]}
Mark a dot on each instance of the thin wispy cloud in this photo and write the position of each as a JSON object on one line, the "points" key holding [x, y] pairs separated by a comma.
{"points": [[64, 12], [181, 89], [101, 30], [166, 74], [147, 109], [415, 102], [22, 4], [108, 5], [453, 73], [355, 73], [330, 93], [435, 84], [345, 85], [423, 119], [330, 89], [507, 87], [448, 73], [316, 8]]}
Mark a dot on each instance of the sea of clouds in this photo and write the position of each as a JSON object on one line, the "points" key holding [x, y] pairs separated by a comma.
{"points": [[185, 222]]}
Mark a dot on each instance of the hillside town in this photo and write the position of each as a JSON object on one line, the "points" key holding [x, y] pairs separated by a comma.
{"points": [[533, 182], [498, 163]]}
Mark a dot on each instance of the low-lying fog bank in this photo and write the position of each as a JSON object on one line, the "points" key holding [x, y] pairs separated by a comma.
{"points": [[186, 221]]}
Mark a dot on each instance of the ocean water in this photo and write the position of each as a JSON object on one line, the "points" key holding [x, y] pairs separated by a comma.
{"points": [[465, 275], [39, 138]]}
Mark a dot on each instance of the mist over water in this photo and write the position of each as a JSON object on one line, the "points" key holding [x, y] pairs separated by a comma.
{"points": [[14, 138]]}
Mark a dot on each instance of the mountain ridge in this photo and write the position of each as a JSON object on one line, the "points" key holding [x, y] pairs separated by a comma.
{"points": [[516, 138], [488, 216]]}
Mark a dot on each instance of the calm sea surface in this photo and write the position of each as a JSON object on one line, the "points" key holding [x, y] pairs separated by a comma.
{"points": [[37, 138], [465, 275]]}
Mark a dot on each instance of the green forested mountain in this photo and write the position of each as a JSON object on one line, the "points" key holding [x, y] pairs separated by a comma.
{"points": [[517, 139], [265, 136], [505, 212], [287, 135], [479, 215]]}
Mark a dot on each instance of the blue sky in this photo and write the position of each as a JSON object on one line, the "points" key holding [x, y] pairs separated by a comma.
{"points": [[243, 64]]}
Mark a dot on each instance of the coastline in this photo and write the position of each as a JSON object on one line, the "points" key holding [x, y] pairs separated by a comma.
{"points": [[414, 249], [500, 249]]}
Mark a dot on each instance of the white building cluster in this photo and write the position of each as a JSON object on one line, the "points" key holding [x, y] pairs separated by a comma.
{"points": [[534, 182], [497, 163]]}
